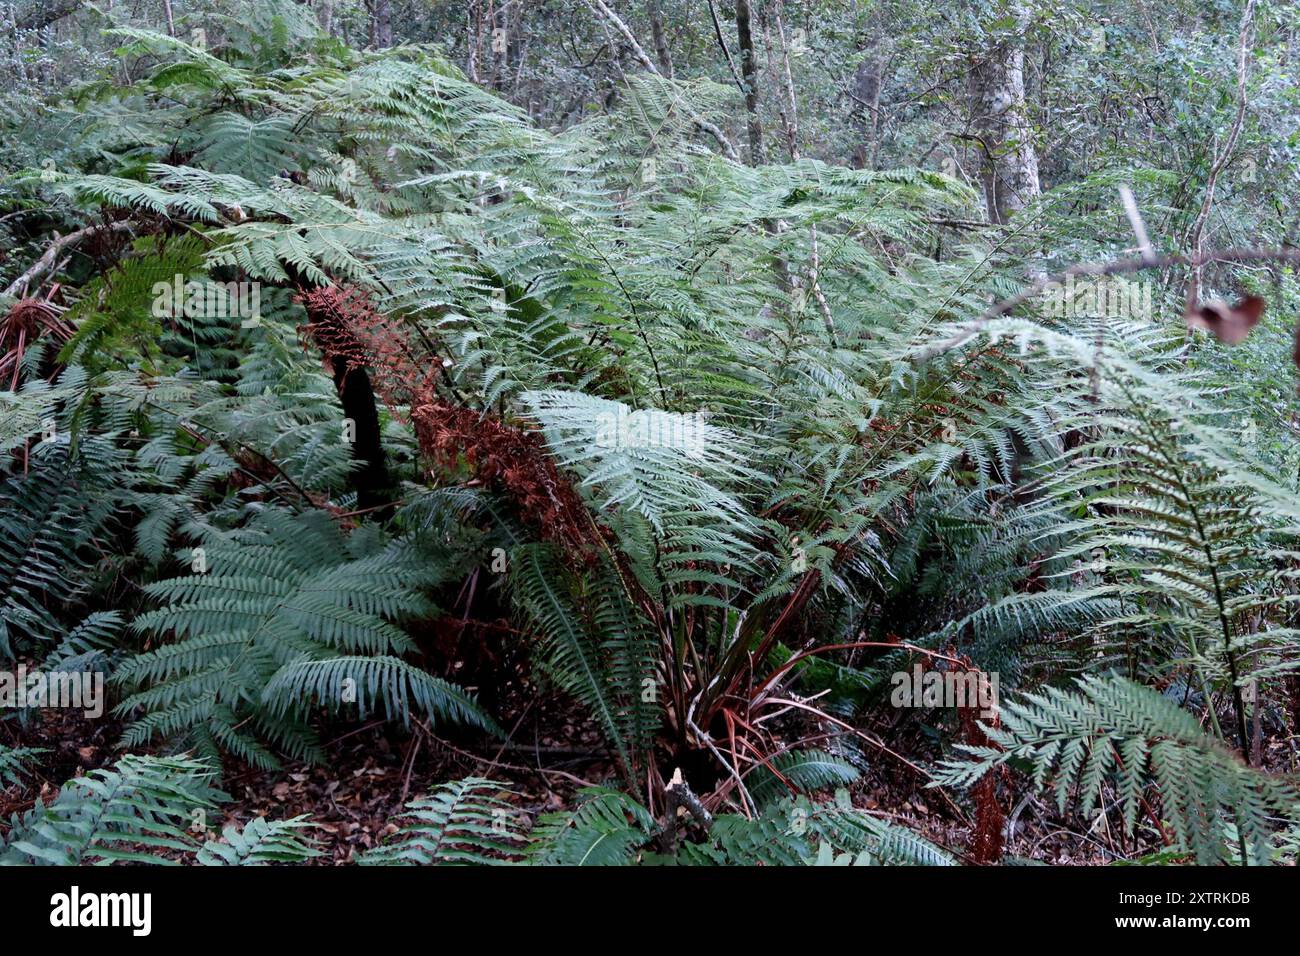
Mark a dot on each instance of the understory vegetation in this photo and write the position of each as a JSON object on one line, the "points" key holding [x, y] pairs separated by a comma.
{"points": [[623, 441]]}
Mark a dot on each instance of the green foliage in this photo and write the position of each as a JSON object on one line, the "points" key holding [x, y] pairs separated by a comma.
{"points": [[799, 833], [662, 469], [371, 682], [134, 813], [117, 316], [16, 763], [143, 810], [594, 647], [256, 149], [47, 519], [804, 771], [261, 842], [1114, 731], [800, 460], [284, 611], [605, 828], [466, 821]]}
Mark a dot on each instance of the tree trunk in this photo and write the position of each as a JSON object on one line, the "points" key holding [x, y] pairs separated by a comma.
{"points": [[789, 108], [1009, 168], [473, 40], [662, 53], [381, 23], [749, 73], [325, 16], [864, 116], [357, 396]]}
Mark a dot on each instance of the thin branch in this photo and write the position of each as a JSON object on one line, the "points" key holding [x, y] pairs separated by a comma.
{"points": [[639, 52], [717, 31], [1221, 157], [1117, 267], [1135, 221]]}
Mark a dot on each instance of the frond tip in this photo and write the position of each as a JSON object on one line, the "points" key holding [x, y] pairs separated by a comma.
{"points": [[260, 842]]}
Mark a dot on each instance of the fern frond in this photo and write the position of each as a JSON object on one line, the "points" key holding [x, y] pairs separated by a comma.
{"points": [[462, 822], [1113, 729], [261, 842], [131, 813]]}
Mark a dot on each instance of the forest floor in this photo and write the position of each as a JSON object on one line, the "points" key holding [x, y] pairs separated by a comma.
{"points": [[371, 771]]}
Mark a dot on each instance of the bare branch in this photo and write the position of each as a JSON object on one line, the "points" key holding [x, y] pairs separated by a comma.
{"points": [[722, 42], [1221, 156], [1135, 220], [639, 52], [46, 262], [1117, 267]]}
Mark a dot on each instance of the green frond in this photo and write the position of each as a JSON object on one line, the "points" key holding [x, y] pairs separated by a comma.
{"points": [[801, 771], [274, 619], [373, 682], [592, 647], [261, 842], [17, 762], [1110, 729], [463, 822], [133, 813], [605, 828]]}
